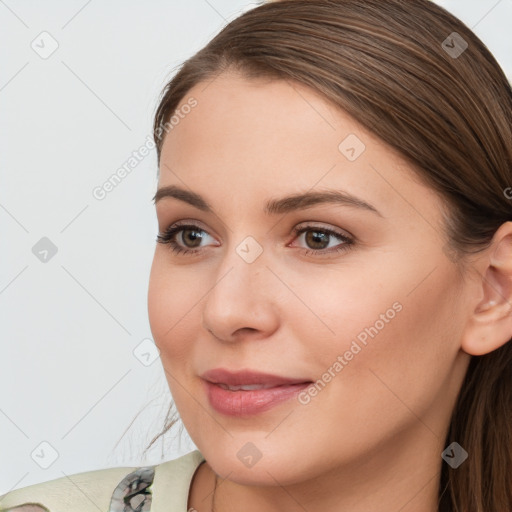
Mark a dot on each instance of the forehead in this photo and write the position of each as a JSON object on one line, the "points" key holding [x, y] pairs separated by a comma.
{"points": [[232, 107], [261, 137]]}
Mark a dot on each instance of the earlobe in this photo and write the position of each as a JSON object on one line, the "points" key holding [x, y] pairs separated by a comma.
{"points": [[490, 324]]}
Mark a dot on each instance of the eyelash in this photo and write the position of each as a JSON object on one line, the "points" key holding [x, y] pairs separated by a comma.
{"points": [[168, 238]]}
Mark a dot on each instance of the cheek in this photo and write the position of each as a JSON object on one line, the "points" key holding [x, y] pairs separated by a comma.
{"points": [[344, 313], [392, 349], [170, 314], [173, 302]]}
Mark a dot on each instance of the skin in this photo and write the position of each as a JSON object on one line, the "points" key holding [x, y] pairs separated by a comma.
{"points": [[372, 438]]}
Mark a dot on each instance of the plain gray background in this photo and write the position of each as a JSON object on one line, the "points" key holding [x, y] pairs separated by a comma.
{"points": [[74, 326]]}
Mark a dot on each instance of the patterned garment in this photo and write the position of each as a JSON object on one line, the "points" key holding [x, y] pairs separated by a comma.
{"points": [[131, 495], [162, 487], [29, 507]]}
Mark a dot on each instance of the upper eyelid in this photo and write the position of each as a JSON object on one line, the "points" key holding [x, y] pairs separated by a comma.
{"points": [[195, 223], [199, 223], [185, 224], [335, 230]]}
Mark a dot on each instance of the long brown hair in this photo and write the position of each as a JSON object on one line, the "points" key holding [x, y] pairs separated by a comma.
{"points": [[422, 81]]}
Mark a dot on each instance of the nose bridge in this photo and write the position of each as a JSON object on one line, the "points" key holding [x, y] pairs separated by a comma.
{"points": [[240, 297], [243, 264]]}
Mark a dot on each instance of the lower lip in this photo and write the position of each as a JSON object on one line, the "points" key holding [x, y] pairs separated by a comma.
{"points": [[246, 403]]}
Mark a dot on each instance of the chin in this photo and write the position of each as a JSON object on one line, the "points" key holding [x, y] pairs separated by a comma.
{"points": [[245, 466]]}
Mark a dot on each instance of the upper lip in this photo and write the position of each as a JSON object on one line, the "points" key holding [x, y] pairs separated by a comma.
{"points": [[248, 377]]}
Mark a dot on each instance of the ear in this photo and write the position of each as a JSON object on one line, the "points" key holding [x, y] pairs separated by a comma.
{"points": [[490, 324]]}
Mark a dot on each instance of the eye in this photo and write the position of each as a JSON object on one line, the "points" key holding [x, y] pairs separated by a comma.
{"points": [[186, 239], [183, 238], [319, 240]]}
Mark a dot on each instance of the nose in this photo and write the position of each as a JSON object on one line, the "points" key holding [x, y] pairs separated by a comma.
{"points": [[242, 302]]}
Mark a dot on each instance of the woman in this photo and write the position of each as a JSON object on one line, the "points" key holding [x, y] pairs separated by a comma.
{"points": [[331, 290]]}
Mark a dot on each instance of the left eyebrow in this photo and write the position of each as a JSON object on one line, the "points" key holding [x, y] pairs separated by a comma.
{"points": [[273, 206]]}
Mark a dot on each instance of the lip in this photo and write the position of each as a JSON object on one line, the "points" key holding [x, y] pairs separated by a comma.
{"points": [[248, 377], [242, 403]]}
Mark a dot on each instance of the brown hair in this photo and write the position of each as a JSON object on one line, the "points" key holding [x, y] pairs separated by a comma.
{"points": [[398, 68]]}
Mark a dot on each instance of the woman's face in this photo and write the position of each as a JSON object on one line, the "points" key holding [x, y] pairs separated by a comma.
{"points": [[364, 303]]}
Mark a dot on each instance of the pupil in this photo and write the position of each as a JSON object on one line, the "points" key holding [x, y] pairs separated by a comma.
{"points": [[195, 236], [317, 237]]}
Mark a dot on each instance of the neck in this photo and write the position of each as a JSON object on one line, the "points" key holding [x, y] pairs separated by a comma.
{"points": [[403, 481]]}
